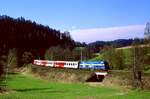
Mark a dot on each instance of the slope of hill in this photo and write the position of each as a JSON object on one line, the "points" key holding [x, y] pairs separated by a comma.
{"points": [[128, 47], [25, 35], [28, 87]]}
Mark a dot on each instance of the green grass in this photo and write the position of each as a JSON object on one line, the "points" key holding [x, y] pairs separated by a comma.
{"points": [[27, 87]]}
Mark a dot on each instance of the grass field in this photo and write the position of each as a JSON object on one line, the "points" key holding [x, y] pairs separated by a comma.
{"points": [[28, 87]]}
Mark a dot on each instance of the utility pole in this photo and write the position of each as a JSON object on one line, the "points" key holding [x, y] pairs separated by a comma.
{"points": [[81, 54]]}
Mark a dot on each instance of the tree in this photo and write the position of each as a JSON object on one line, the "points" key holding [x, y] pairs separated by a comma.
{"points": [[3, 62], [115, 57], [118, 59], [76, 54], [58, 53], [108, 54], [147, 31], [27, 57], [147, 45], [10, 63], [137, 61]]}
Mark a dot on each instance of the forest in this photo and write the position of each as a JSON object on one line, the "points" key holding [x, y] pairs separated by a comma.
{"points": [[25, 35]]}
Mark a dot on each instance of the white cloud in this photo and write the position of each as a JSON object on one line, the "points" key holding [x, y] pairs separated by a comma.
{"points": [[108, 34], [73, 27]]}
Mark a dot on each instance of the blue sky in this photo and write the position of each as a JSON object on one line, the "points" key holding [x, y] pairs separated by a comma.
{"points": [[87, 20]]}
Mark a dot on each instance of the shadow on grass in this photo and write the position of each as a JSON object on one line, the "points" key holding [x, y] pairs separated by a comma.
{"points": [[31, 89], [41, 90], [13, 73]]}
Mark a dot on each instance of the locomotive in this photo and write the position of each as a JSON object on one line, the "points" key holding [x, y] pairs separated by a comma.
{"points": [[95, 65]]}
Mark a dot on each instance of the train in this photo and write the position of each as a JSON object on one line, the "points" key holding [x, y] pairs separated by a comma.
{"points": [[95, 65]]}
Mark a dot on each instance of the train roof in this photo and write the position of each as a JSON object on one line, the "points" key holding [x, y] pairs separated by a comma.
{"points": [[92, 62]]}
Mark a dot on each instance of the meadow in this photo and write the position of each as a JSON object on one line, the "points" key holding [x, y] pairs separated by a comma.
{"points": [[24, 86]]}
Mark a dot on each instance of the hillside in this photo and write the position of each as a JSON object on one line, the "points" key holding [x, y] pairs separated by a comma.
{"points": [[25, 86], [119, 43], [123, 57], [128, 47], [27, 35]]}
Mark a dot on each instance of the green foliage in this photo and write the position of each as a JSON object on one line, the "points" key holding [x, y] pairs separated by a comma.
{"points": [[119, 60], [97, 57], [114, 57], [108, 55]]}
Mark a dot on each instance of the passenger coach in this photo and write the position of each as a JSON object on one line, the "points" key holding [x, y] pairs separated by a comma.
{"points": [[99, 65]]}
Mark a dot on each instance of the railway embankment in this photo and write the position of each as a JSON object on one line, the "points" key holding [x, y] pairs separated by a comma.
{"points": [[113, 78]]}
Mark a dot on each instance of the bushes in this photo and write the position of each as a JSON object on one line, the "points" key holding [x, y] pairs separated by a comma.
{"points": [[27, 57], [3, 62], [65, 54], [114, 57], [61, 75]]}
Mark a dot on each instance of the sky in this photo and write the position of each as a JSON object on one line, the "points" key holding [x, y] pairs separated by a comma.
{"points": [[86, 20]]}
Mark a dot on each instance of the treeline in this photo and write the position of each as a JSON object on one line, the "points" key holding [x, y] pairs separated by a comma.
{"points": [[78, 53], [99, 45]]}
